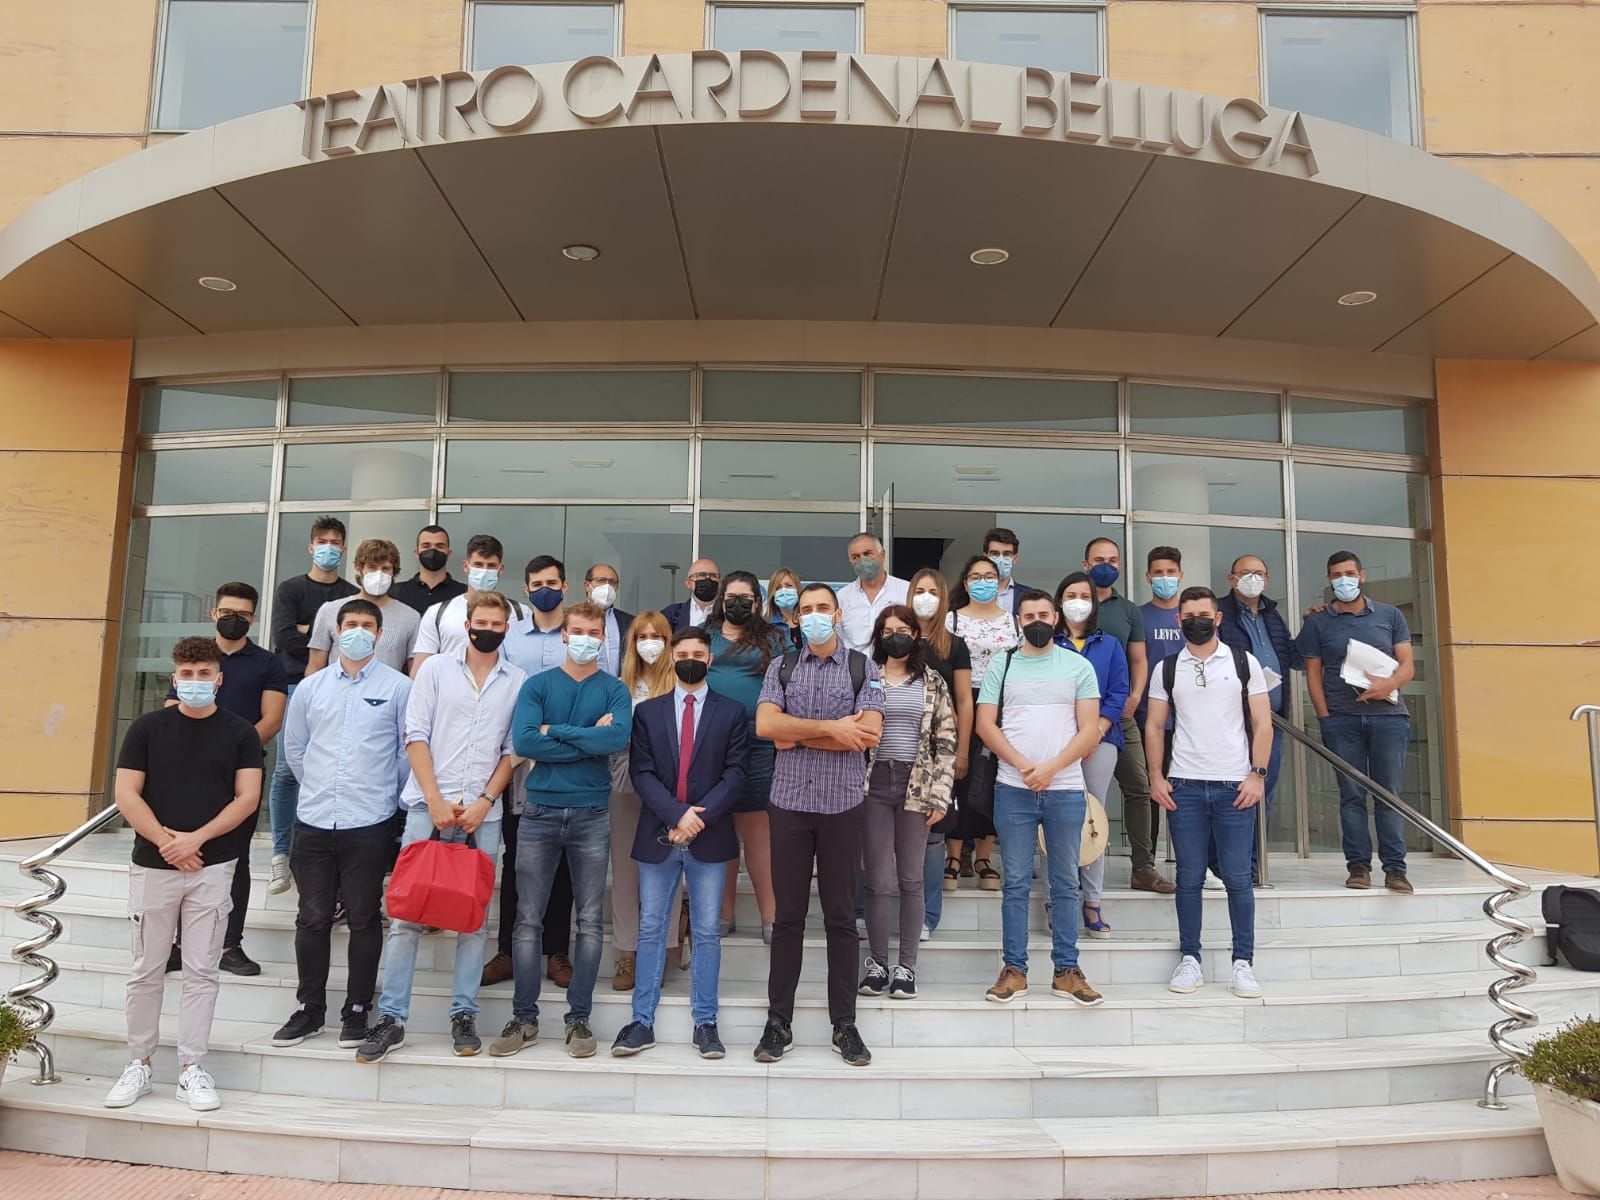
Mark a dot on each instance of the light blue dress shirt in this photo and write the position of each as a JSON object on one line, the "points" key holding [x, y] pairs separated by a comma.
{"points": [[344, 737], [467, 729], [534, 650]]}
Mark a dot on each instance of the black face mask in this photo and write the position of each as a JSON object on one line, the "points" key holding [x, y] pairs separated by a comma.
{"points": [[1039, 633], [232, 626], [705, 590], [486, 640], [896, 645], [1197, 631], [432, 560], [739, 609], [689, 670]]}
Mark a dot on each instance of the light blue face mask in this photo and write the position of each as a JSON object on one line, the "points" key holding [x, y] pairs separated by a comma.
{"points": [[816, 628], [581, 648], [1003, 564], [195, 693], [1165, 587], [786, 598], [1346, 588], [327, 556], [983, 590], [357, 643], [483, 579]]}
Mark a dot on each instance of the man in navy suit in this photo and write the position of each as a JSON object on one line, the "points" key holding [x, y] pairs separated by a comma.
{"points": [[688, 756], [703, 582]]}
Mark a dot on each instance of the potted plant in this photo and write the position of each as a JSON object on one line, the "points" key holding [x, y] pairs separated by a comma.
{"points": [[1565, 1072], [15, 1033]]}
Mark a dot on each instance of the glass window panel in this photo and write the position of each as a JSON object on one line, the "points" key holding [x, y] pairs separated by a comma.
{"points": [[363, 399], [981, 402], [812, 397], [293, 551], [521, 34], [567, 470], [1354, 69], [358, 471], [1176, 411], [1208, 554], [780, 470], [582, 397], [1021, 37], [989, 476], [226, 58], [1387, 428], [1360, 497], [1202, 486], [217, 475], [779, 27], [810, 544], [944, 539], [182, 408]]}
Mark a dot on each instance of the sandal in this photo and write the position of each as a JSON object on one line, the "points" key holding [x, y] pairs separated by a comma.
{"points": [[1095, 925], [988, 877], [952, 873]]}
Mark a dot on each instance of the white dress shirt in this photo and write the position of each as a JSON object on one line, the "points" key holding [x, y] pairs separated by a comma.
{"points": [[857, 614], [679, 694], [467, 729]]}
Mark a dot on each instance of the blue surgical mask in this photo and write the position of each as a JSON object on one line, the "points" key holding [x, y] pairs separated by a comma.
{"points": [[357, 643], [786, 598], [1165, 587], [195, 693], [483, 579], [327, 556], [983, 590], [581, 648], [816, 628], [1104, 574], [1346, 588], [1002, 563], [866, 569]]}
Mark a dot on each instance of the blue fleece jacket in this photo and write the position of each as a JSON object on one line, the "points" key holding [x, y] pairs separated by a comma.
{"points": [[571, 757], [1110, 663]]}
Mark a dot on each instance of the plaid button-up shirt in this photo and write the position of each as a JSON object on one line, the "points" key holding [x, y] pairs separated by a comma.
{"points": [[820, 781]]}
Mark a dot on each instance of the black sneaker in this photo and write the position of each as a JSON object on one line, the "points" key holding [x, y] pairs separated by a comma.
{"points": [[707, 1042], [237, 962], [340, 917], [775, 1039], [464, 1039], [175, 958], [875, 980], [388, 1034], [848, 1045], [902, 984], [353, 1028], [633, 1038], [298, 1028]]}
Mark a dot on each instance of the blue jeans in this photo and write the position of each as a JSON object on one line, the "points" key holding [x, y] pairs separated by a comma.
{"points": [[1206, 814], [1018, 814], [933, 882], [658, 883], [283, 797], [1274, 764], [543, 833], [1376, 746], [400, 952]]}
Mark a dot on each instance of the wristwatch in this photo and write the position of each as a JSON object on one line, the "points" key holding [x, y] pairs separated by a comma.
{"points": [[1261, 771]]}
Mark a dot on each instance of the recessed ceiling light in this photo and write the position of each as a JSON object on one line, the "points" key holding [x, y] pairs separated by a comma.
{"points": [[1356, 299], [580, 253], [217, 283], [989, 256]]}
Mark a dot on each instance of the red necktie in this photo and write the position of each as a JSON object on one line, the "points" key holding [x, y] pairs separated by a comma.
{"points": [[685, 749]]}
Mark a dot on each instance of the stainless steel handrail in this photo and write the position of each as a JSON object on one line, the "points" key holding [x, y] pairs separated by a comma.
{"points": [[1592, 711], [25, 995], [1512, 889]]}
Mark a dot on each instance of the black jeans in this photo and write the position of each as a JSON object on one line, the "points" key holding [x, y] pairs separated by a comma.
{"points": [[831, 841], [346, 864], [557, 938]]}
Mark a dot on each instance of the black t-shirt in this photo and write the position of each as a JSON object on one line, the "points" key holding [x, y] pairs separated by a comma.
{"points": [[296, 604], [960, 660], [422, 597], [189, 765]]}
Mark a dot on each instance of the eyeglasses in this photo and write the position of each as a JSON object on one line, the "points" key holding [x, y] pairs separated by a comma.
{"points": [[976, 578], [599, 579], [1199, 673], [664, 840], [711, 575]]}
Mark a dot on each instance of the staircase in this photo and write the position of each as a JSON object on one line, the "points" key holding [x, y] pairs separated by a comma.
{"points": [[1360, 1067]]}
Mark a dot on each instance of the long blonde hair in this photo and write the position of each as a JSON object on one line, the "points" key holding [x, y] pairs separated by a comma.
{"points": [[772, 612], [657, 676], [933, 629]]}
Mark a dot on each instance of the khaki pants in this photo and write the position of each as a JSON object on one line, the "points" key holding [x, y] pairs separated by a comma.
{"points": [[624, 807], [159, 903]]}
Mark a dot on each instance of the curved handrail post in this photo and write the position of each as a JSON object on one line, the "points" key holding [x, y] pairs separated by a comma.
{"points": [[1592, 712], [1511, 889]]}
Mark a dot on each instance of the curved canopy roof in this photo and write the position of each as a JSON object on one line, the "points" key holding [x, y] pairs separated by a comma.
{"points": [[802, 186]]}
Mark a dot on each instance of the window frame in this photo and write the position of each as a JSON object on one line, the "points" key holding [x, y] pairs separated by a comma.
{"points": [[1097, 7], [857, 6], [470, 9], [158, 69], [1406, 12]]}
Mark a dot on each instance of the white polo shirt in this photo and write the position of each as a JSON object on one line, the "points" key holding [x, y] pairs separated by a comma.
{"points": [[1208, 740]]}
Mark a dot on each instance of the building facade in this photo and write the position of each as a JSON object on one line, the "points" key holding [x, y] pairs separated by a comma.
{"points": [[364, 305]]}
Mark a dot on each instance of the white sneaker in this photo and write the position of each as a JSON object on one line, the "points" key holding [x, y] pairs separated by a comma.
{"points": [[197, 1087], [1188, 977], [1244, 981], [926, 934], [1214, 882], [135, 1082], [861, 929], [281, 880]]}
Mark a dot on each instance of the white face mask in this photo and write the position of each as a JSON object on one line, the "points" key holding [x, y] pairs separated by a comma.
{"points": [[650, 648], [1251, 585], [376, 583], [604, 595], [925, 604], [1077, 610]]}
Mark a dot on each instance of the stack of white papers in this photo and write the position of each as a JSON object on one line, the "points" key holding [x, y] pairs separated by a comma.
{"points": [[1364, 663]]}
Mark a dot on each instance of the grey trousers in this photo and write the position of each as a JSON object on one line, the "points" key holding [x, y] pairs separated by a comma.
{"points": [[159, 903], [895, 848], [1134, 777]]}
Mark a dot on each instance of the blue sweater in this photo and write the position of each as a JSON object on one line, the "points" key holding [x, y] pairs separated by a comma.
{"points": [[571, 758], [1110, 663]]}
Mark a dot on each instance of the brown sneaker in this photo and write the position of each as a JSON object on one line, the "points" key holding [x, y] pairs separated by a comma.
{"points": [[496, 970], [1073, 986], [1396, 881], [558, 970], [1011, 984], [622, 977], [1148, 879], [1360, 879]]}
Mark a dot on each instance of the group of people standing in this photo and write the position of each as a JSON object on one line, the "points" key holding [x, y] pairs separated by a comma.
{"points": [[854, 737]]}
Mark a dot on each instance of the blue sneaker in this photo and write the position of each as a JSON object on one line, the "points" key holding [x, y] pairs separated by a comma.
{"points": [[633, 1038], [706, 1041]]}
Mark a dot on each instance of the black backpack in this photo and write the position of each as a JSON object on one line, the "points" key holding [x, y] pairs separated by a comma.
{"points": [[856, 659], [1572, 926]]}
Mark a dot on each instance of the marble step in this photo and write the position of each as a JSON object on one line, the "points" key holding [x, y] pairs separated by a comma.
{"points": [[745, 1157]]}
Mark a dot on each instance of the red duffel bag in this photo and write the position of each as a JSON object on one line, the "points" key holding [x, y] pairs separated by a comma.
{"points": [[443, 884]]}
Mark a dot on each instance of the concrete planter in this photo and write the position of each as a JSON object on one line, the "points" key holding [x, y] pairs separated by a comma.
{"points": [[1572, 1129]]}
